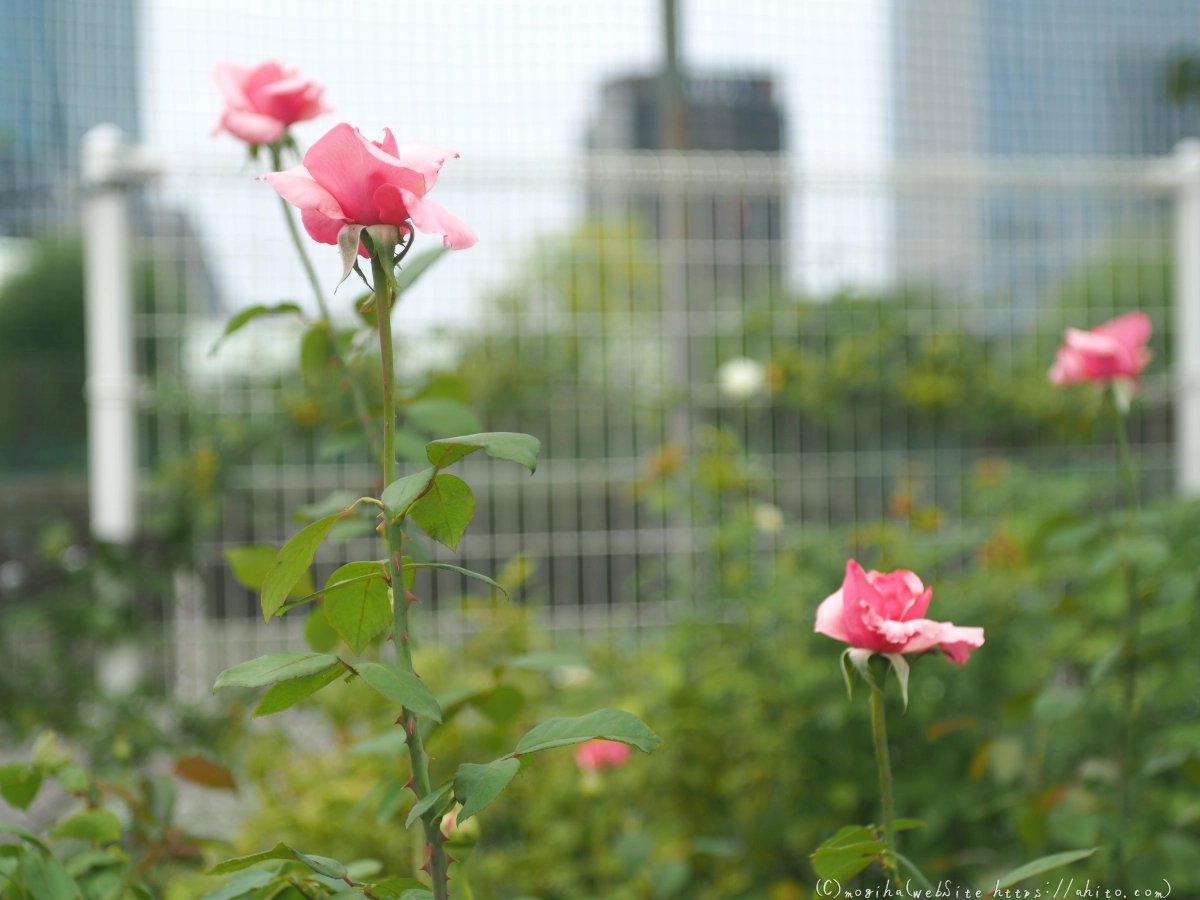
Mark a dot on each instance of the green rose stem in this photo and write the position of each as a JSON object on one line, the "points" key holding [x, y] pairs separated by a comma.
{"points": [[1128, 711], [884, 761], [360, 401], [381, 274]]}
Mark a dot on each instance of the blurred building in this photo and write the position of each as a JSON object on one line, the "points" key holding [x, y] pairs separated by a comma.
{"points": [[735, 237], [1014, 79], [65, 65]]}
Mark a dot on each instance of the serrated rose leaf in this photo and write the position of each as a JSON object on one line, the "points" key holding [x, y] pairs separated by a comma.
{"points": [[609, 724], [273, 668]]}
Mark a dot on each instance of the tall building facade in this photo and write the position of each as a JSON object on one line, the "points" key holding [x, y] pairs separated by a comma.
{"points": [[1013, 79], [735, 238], [65, 65]]}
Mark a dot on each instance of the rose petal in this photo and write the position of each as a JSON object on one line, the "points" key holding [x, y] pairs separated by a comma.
{"points": [[958, 642], [320, 227], [433, 219], [298, 187], [252, 127], [830, 618], [230, 79], [426, 159], [352, 169], [861, 605]]}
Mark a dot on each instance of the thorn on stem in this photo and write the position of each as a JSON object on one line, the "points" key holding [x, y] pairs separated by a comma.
{"points": [[410, 597]]}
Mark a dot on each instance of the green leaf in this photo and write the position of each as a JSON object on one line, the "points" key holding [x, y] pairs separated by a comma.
{"points": [[475, 786], [907, 824], [900, 667], [240, 884], [397, 888], [446, 510], [341, 442], [72, 778], [545, 660], [19, 784], [916, 873], [291, 564], [251, 563], [247, 316], [23, 833], [1044, 864], [332, 503], [317, 632], [322, 865], [610, 724], [274, 667], [279, 851], [510, 445], [400, 687], [439, 415], [359, 611], [400, 494], [288, 693], [97, 825], [416, 267], [412, 567], [846, 853], [501, 705], [46, 878], [315, 349], [410, 445], [426, 803]]}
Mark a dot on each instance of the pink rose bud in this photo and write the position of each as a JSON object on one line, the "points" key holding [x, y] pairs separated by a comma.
{"points": [[349, 180], [261, 102], [1112, 351], [598, 755], [885, 612]]}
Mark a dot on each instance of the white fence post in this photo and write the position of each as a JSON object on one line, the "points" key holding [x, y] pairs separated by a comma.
{"points": [[1187, 317], [111, 379]]}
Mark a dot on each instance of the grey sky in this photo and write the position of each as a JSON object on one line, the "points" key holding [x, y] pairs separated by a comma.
{"points": [[503, 81]]}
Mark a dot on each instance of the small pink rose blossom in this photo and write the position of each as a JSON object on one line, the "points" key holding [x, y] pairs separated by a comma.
{"points": [[261, 102], [349, 180], [598, 754], [885, 613], [1112, 351]]}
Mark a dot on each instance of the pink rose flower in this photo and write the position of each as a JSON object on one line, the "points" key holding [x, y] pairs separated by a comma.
{"points": [[349, 180], [261, 102], [885, 613], [1114, 350], [597, 755]]}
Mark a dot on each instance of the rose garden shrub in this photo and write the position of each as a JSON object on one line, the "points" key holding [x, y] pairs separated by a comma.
{"points": [[1006, 759]]}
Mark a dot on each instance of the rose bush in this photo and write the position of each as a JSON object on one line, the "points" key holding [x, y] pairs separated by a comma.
{"points": [[261, 102]]}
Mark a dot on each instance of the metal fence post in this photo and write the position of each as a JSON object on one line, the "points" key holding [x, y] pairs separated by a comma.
{"points": [[1187, 317], [111, 379]]}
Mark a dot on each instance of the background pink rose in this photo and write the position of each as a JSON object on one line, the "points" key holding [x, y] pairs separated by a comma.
{"points": [[597, 755], [885, 612], [261, 102], [1116, 349], [349, 180]]}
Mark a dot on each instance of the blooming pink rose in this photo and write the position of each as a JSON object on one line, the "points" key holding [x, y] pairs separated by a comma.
{"points": [[597, 755], [1114, 350], [349, 180], [885, 613], [261, 103]]}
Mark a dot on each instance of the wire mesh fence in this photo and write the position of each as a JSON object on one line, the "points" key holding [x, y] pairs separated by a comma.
{"points": [[799, 323]]}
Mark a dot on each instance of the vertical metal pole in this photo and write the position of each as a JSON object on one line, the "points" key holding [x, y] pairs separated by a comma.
{"points": [[673, 229], [111, 381], [1187, 318]]}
